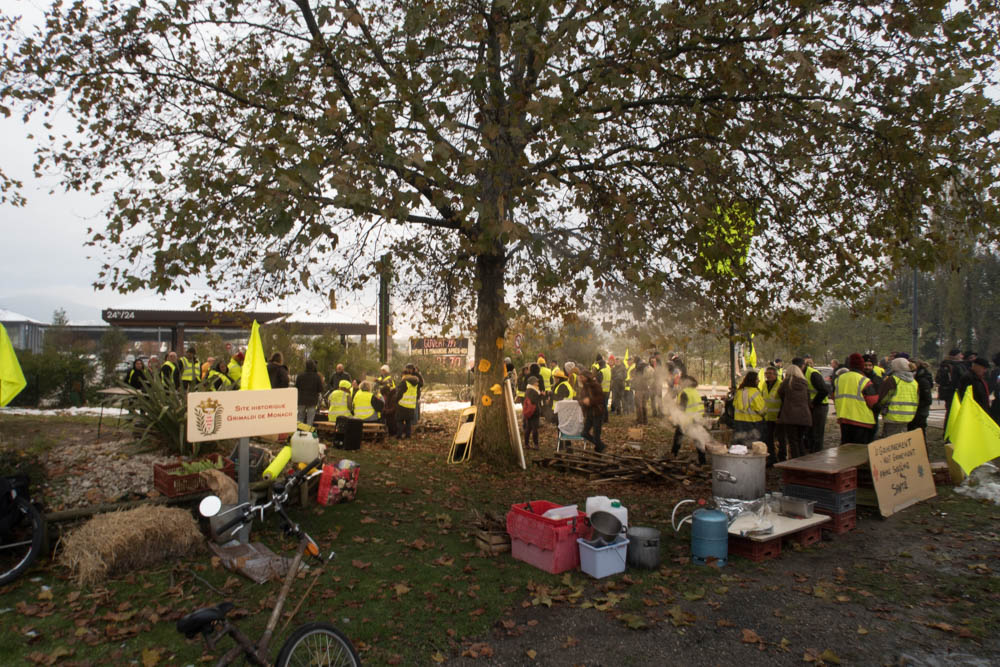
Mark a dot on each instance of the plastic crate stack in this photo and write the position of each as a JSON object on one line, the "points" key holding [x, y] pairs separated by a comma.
{"points": [[836, 495]]}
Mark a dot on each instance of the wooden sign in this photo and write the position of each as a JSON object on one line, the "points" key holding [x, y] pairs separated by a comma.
{"points": [[901, 471], [219, 415], [512, 426]]}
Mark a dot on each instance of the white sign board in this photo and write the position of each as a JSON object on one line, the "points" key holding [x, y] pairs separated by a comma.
{"points": [[220, 415]]}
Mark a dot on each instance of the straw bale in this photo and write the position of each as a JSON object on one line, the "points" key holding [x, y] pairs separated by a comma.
{"points": [[117, 542]]}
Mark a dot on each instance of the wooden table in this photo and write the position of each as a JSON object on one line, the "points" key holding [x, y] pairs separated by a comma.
{"points": [[829, 461]]}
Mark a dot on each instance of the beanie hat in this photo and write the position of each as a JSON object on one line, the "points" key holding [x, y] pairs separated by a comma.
{"points": [[344, 384], [611, 357], [856, 362], [900, 364]]}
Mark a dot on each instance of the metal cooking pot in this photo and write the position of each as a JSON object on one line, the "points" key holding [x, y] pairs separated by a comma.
{"points": [[606, 526], [740, 476]]}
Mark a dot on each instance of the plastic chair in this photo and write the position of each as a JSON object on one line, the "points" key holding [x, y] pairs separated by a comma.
{"points": [[570, 415], [568, 439]]}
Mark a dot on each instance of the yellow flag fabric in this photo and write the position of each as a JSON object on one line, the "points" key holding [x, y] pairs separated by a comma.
{"points": [[626, 356], [956, 405], [975, 435], [751, 355], [255, 365], [11, 377]]}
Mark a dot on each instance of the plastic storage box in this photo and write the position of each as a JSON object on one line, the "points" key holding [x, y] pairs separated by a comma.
{"points": [[825, 499], [600, 562], [548, 544]]}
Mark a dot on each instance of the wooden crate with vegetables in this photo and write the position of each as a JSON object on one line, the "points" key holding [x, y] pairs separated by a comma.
{"points": [[183, 478]]}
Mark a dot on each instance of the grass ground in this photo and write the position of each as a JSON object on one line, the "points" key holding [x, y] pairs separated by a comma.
{"points": [[410, 587]]}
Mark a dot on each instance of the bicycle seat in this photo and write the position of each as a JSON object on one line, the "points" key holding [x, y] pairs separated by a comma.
{"points": [[202, 619]]}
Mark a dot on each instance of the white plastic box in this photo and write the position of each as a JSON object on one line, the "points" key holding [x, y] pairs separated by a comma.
{"points": [[600, 562]]}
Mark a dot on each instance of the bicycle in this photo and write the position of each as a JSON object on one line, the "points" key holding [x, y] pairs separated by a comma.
{"points": [[22, 528], [314, 643]]}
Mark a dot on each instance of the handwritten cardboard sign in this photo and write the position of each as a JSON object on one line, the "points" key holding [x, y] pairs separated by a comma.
{"points": [[901, 471], [219, 415]]}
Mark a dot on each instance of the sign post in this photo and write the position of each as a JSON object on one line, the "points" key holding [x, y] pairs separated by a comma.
{"points": [[901, 471], [223, 415]]}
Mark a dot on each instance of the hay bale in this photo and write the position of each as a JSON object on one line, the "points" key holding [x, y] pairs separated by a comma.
{"points": [[117, 542]]}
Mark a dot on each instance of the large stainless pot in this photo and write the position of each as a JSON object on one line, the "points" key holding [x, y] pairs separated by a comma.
{"points": [[740, 476]]}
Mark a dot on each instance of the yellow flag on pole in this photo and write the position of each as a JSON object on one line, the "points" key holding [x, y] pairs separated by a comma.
{"points": [[255, 365], [626, 357], [975, 435], [751, 355], [11, 377], [956, 405]]}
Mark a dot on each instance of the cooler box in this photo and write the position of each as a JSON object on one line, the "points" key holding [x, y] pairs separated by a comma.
{"points": [[548, 544]]}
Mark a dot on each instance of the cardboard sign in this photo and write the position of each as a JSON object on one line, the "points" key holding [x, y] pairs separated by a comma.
{"points": [[219, 415], [901, 471]]}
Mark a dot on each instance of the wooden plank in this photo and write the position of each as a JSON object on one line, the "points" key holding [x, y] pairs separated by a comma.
{"points": [[829, 461], [783, 525]]}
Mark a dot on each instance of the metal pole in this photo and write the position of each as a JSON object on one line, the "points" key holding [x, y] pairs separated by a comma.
{"points": [[916, 330], [243, 480], [383, 310], [732, 356]]}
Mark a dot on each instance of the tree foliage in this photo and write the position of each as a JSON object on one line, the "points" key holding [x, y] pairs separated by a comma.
{"points": [[519, 154]]}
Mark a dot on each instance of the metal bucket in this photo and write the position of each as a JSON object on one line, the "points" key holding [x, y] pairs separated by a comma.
{"points": [[643, 547], [742, 476]]}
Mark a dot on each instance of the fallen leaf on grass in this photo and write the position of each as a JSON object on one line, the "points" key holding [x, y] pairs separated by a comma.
{"points": [[724, 623], [361, 565], [784, 644], [679, 617], [749, 637], [531, 653], [570, 642], [438, 657], [445, 561], [369, 519], [694, 595], [45, 594], [150, 657], [401, 589], [862, 631], [633, 621], [843, 598]]}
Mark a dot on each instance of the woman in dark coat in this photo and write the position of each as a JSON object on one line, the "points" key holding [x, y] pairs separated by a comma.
{"points": [[277, 372], [795, 417], [592, 400], [136, 377], [310, 386]]}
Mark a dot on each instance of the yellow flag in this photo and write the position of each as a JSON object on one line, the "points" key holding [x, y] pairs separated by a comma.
{"points": [[11, 377], [956, 405], [255, 366], [626, 356], [975, 435], [751, 355]]}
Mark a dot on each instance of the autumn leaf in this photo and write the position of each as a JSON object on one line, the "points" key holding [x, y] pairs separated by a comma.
{"points": [[444, 561], [862, 630], [438, 657], [784, 644], [45, 594], [829, 656], [369, 519], [570, 642], [694, 595], [361, 565], [531, 653], [633, 621], [150, 657], [679, 617], [749, 637], [401, 589]]}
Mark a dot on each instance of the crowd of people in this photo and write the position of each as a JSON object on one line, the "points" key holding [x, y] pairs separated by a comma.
{"points": [[380, 399]]}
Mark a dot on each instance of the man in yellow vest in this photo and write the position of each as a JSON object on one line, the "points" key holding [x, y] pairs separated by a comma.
{"points": [[189, 368], [854, 397], [236, 367], [341, 401], [366, 404], [898, 397], [819, 403], [564, 389], [603, 374], [408, 393], [772, 406], [689, 401], [169, 372]]}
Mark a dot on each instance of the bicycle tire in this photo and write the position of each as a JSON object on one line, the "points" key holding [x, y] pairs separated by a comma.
{"points": [[23, 544], [318, 644]]}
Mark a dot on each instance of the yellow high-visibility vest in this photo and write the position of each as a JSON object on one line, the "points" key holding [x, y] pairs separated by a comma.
{"points": [[772, 402], [363, 408], [546, 374], [850, 401], [694, 404], [572, 392], [606, 379], [812, 390], [409, 397], [879, 371], [903, 404], [235, 370], [338, 405], [213, 374], [187, 370], [748, 405]]}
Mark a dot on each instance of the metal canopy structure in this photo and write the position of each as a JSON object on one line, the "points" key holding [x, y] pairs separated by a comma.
{"points": [[179, 321]]}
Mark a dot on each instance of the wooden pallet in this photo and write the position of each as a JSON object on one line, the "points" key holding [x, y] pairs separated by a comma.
{"points": [[493, 542]]}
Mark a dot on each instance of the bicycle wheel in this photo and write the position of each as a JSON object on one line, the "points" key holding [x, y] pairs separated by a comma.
{"points": [[317, 644], [21, 537]]}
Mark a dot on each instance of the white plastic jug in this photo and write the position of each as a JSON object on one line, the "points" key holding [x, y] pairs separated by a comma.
{"points": [[565, 512], [598, 504], [305, 447], [615, 507]]}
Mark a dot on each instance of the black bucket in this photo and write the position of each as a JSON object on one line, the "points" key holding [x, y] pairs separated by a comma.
{"points": [[643, 547]]}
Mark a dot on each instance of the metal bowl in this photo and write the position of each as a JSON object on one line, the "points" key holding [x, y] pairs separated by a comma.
{"points": [[606, 525]]}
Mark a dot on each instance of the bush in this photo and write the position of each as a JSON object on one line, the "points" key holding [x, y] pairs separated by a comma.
{"points": [[63, 376], [159, 417]]}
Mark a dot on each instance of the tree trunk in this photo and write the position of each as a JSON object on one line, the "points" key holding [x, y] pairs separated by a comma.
{"points": [[491, 442]]}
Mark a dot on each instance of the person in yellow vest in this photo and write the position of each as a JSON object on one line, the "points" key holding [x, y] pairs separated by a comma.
{"points": [[408, 394], [236, 368], [692, 409], [521, 386], [206, 368], [366, 404], [218, 377], [340, 401], [189, 368], [854, 396], [603, 375], [779, 366], [170, 373], [748, 411], [564, 389], [898, 397], [384, 379], [629, 396], [819, 403], [772, 406], [617, 385], [545, 374]]}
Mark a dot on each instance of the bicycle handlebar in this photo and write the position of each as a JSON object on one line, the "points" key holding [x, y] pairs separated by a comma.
{"points": [[276, 501]]}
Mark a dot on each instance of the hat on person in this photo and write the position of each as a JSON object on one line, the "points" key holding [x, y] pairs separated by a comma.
{"points": [[541, 359], [239, 357], [900, 364], [954, 352], [558, 373], [533, 381], [344, 384], [902, 355], [384, 368], [611, 357], [856, 361], [980, 362]]}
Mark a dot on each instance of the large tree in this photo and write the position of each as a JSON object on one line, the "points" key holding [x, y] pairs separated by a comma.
{"points": [[517, 154]]}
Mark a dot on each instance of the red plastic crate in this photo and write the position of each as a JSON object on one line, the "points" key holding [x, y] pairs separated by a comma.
{"points": [[566, 555], [754, 550], [841, 523], [807, 536], [531, 527], [846, 480]]}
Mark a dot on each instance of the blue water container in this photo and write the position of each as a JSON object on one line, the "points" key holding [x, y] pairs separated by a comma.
{"points": [[709, 537]]}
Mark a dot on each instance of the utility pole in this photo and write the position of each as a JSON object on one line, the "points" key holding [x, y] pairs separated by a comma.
{"points": [[732, 356], [916, 330], [385, 273]]}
